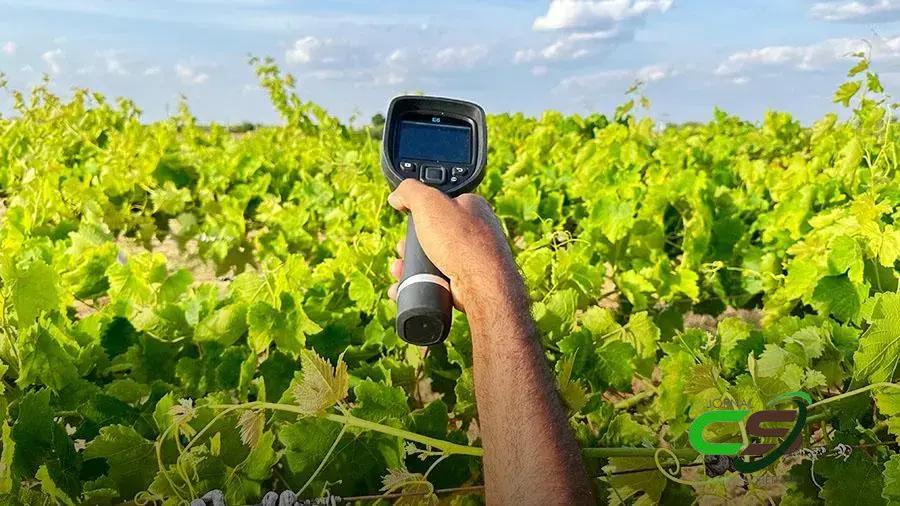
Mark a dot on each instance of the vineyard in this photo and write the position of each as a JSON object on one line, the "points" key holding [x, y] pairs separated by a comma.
{"points": [[184, 309]]}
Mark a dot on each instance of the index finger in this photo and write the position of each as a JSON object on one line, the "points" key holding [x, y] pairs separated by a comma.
{"points": [[413, 196]]}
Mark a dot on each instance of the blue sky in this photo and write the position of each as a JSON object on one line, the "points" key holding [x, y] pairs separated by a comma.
{"points": [[352, 56]]}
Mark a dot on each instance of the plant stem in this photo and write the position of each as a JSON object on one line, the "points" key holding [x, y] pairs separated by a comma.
{"points": [[324, 460], [597, 453], [852, 393], [445, 446], [634, 400]]}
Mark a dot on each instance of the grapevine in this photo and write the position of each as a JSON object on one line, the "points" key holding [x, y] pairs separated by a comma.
{"points": [[186, 312]]}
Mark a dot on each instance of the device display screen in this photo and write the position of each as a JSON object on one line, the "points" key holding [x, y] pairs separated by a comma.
{"points": [[430, 141]]}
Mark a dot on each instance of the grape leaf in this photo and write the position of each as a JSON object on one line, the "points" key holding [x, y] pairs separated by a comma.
{"points": [[131, 458], [321, 386]]}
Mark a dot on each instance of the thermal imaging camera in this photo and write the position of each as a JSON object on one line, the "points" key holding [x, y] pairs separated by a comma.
{"points": [[441, 142]]}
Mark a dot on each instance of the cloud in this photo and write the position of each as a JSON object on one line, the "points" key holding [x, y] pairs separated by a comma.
{"points": [[457, 58], [8, 48], [305, 49], [592, 15], [616, 78], [588, 26], [112, 63], [539, 70], [740, 80], [152, 71], [857, 11], [189, 75], [569, 47], [52, 59], [809, 57]]}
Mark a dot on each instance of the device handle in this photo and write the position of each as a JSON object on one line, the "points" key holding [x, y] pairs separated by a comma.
{"points": [[424, 304]]}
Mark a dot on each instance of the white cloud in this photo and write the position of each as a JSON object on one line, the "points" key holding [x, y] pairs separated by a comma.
{"points": [[857, 11], [52, 59], [397, 56], [305, 49], [588, 26], [458, 58], [616, 78], [189, 75], [27, 68], [569, 47], [740, 80], [810, 57], [112, 63], [8, 48], [539, 70], [593, 15], [653, 73], [152, 71]]}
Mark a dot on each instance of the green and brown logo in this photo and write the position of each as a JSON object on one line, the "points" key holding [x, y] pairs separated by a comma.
{"points": [[769, 452]]}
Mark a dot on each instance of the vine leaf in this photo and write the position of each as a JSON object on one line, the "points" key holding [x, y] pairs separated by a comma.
{"points": [[879, 347], [251, 424], [321, 386], [572, 393], [420, 491], [646, 486]]}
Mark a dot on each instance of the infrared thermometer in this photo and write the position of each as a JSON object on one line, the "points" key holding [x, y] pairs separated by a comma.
{"points": [[441, 142]]}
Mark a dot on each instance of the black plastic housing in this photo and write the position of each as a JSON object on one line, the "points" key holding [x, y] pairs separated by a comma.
{"points": [[458, 111]]}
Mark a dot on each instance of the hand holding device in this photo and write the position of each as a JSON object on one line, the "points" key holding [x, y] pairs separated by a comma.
{"points": [[442, 143]]}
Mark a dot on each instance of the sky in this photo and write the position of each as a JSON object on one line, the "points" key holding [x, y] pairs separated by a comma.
{"points": [[352, 56]]}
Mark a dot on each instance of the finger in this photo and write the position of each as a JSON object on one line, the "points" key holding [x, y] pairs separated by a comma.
{"points": [[397, 268], [413, 196], [392, 291], [401, 247]]}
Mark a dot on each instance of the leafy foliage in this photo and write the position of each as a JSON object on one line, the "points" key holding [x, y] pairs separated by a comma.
{"points": [[184, 309]]}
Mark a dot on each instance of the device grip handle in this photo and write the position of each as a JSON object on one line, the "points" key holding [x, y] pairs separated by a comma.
{"points": [[424, 303]]}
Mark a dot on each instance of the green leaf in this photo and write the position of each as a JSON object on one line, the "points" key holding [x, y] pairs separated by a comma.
{"points": [[51, 488], [378, 402], [836, 295], [35, 290], [891, 476], [432, 420], [874, 83], [131, 458], [879, 347], [40, 442], [737, 339], [846, 92], [645, 486], [362, 291], [44, 357], [861, 66], [573, 395], [616, 364], [224, 326]]}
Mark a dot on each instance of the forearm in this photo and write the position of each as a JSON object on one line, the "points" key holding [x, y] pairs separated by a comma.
{"points": [[531, 456]]}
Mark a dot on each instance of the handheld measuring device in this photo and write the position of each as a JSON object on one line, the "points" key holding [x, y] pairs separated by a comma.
{"points": [[441, 142]]}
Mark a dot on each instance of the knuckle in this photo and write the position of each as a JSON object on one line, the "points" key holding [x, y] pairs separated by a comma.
{"points": [[473, 201]]}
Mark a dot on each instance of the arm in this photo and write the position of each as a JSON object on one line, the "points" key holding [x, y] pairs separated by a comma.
{"points": [[531, 456]]}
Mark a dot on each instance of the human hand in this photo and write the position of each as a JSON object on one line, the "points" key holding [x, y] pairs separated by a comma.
{"points": [[462, 237]]}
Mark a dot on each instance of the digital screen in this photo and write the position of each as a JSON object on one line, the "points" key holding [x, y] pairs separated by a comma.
{"points": [[429, 141]]}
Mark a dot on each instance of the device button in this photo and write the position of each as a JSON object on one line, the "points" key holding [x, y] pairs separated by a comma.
{"points": [[408, 166], [459, 171], [433, 174], [454, 179]]}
